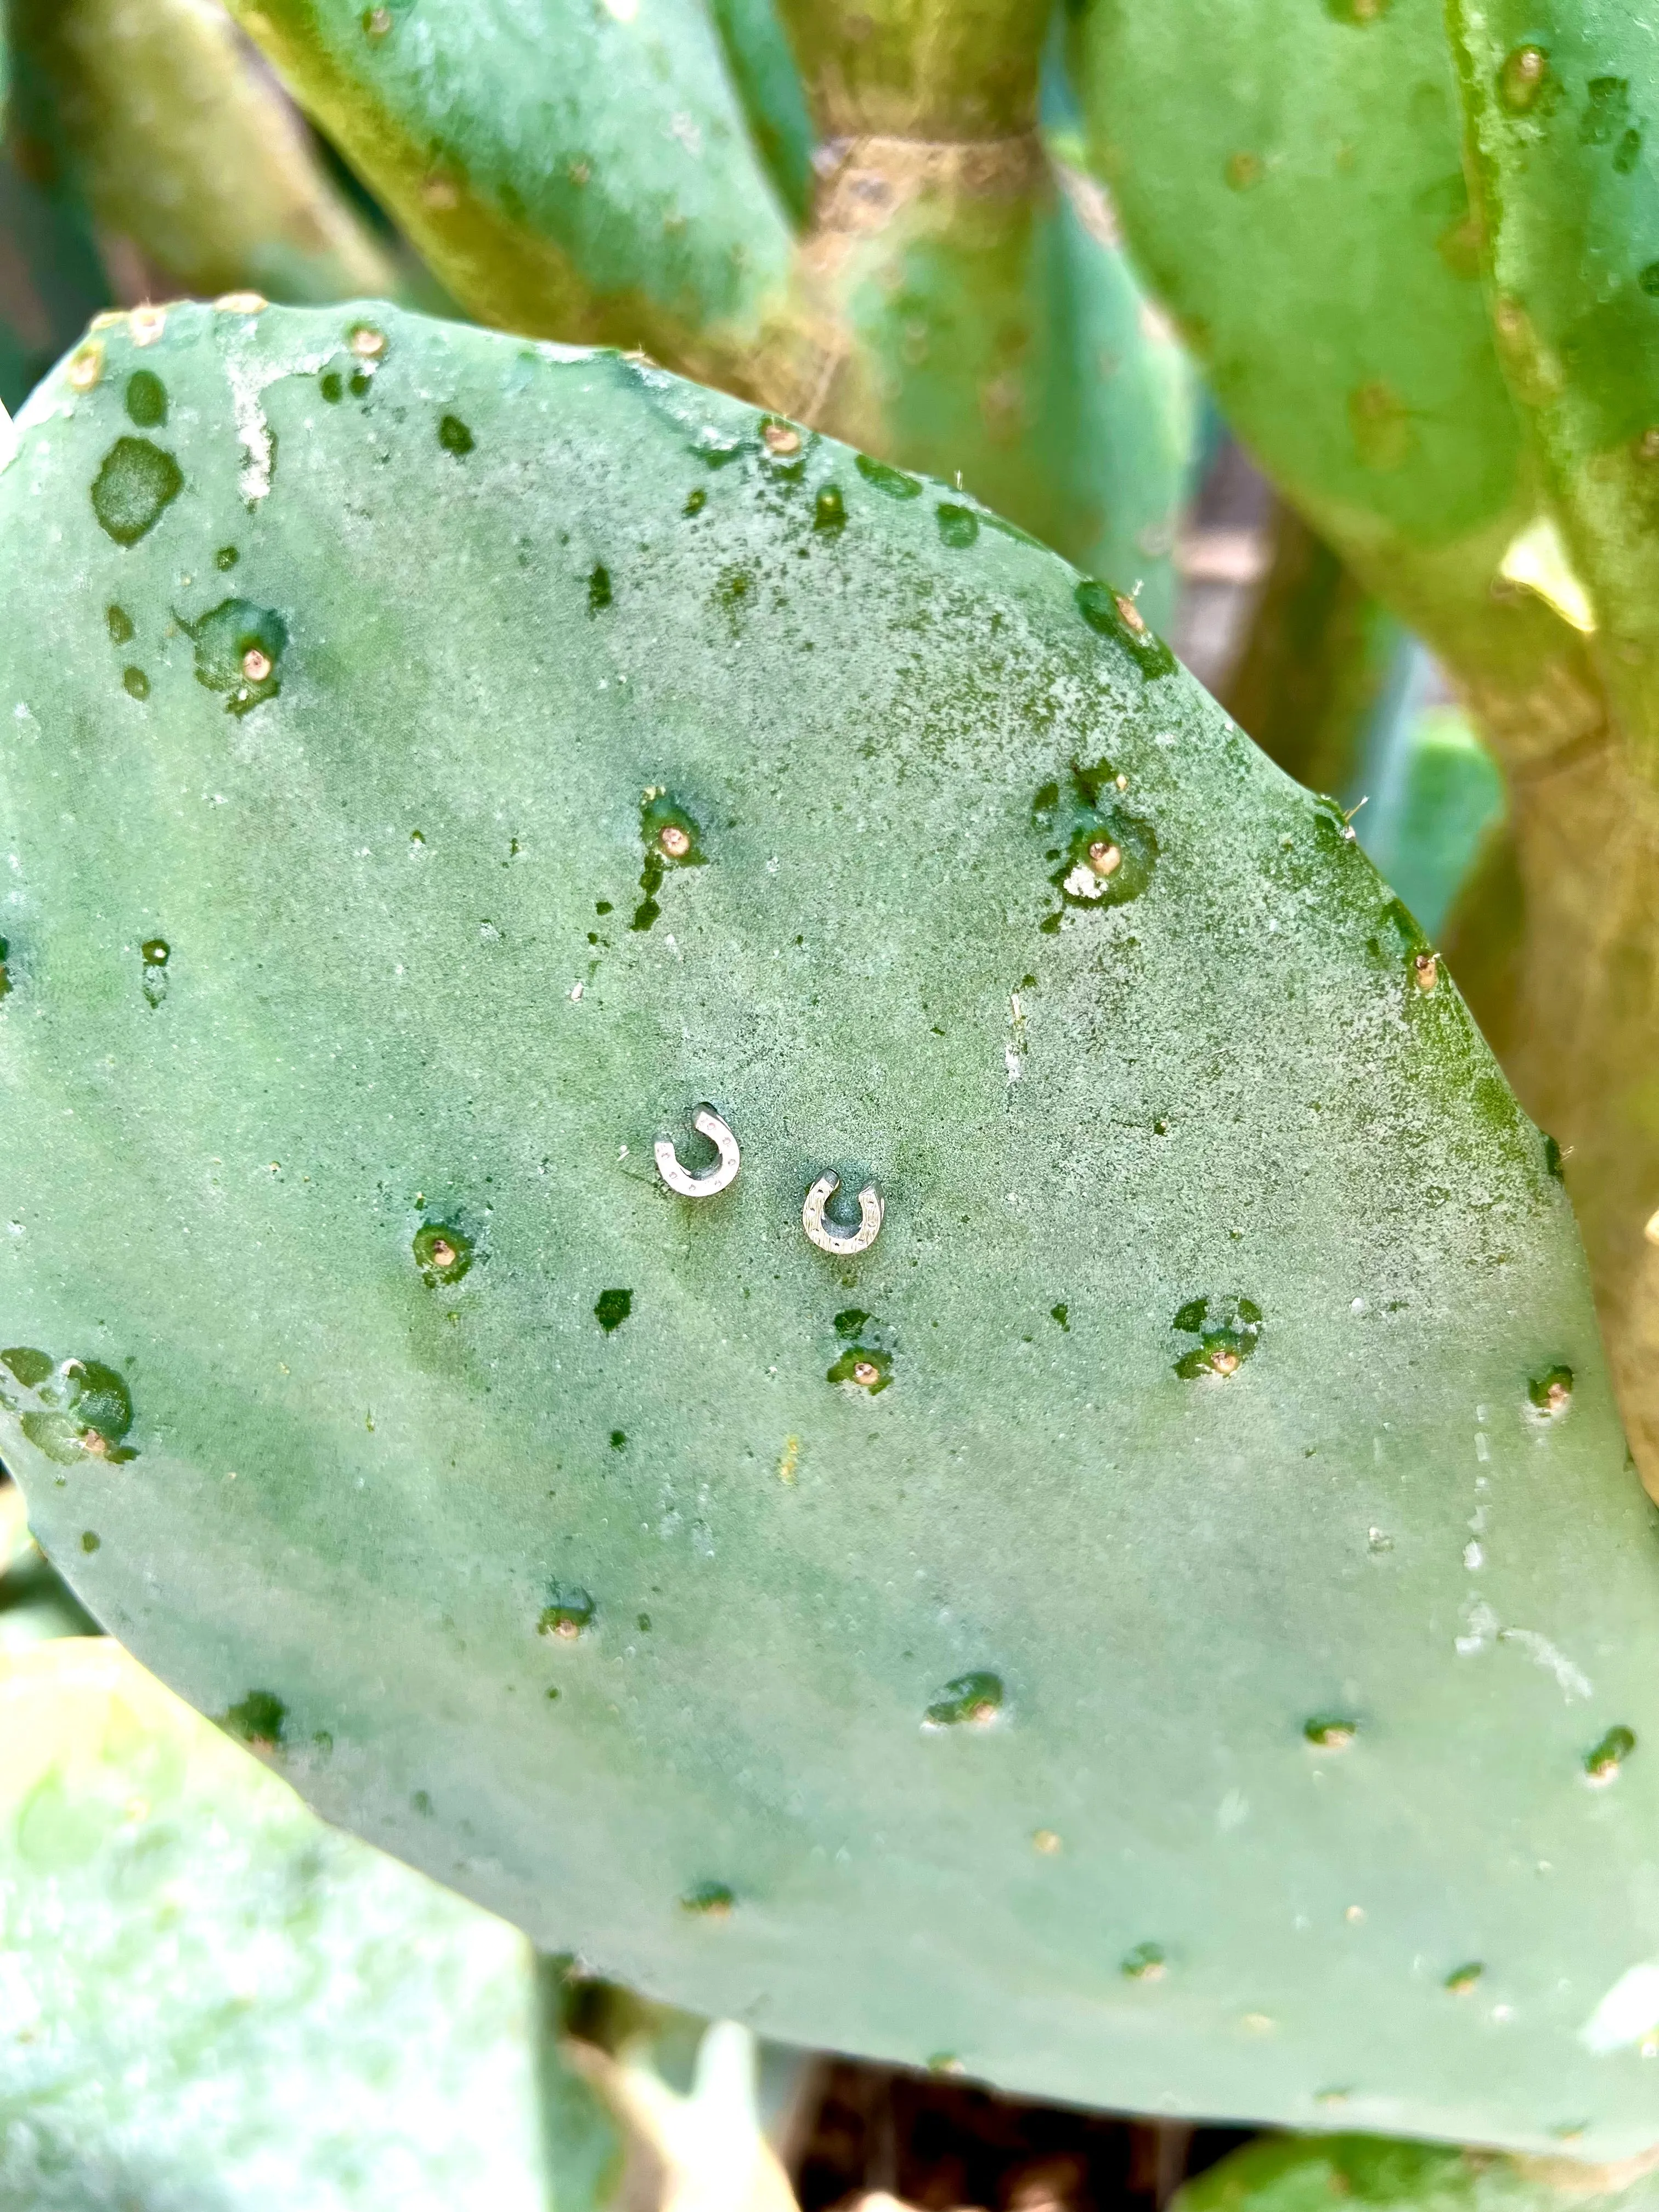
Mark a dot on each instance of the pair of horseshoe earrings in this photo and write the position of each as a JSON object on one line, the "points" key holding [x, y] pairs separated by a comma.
{"points": [[828, 1238]]}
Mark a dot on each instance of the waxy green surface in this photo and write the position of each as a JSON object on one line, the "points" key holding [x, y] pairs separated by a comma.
{"points": [[559, 1566], [1302, 2174], [1562, 103], [988, 328], [588, 174], [767, 83], [215, 2001], [1299, 202]]}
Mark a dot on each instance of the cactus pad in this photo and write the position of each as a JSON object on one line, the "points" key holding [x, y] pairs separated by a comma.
{"points": [[1125, 1726], [203, 1980]]}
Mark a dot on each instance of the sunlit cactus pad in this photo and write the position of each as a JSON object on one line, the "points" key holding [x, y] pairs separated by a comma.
{"points": [[212, 2000], [1169, 1626]]}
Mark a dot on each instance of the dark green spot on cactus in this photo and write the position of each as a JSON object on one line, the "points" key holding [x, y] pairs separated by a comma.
{"points": [[258, 1721], [454, 436], [1648, 280], [6, 970], [716, 452], [1115, 614], [90, 1540], [1523, 79], [710, 1900], [135, 483], [618, 1439], [860, 1367], [421, 1802], [958, 526], [611, 1309], [1461, 1979], [225, 558], [1062, 1315], [147, 399], [1603, 1762], [153, 974], [731, 589], [71, 1410], [442, 1254], [331, 385], [118, 622], [671, 839], [1607, 111], [361, 384], [970, 1701], [1335, 829], [239, 651], [598, 590], [552, 1696], [1398, 944], [1146, 1963], [882, 478], [25, 1365], [830, 510], [849, 1321], [1551, 1393], [1106, 853], [1330, 1731], [1553, 1160], [643, 1623], [696, 499], [1628, 152], [567, 1612], [135, 682]]}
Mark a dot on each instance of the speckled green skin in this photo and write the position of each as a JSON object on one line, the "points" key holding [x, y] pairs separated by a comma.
{"points": [[587, 175], [1299, 202], [1569, 174], [1295, 2174], [355, 1491]]}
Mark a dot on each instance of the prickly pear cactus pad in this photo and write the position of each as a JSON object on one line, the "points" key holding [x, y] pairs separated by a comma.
{"points": [[1559, 102], [1167, 1624], [211, 1999]]}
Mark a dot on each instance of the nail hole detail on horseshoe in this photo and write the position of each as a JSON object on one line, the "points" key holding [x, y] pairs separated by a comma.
{"points": [[825, 1234], [718, 1176]]}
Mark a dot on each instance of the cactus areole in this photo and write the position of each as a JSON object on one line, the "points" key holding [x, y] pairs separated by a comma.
{"points": [[1163, 1627]]}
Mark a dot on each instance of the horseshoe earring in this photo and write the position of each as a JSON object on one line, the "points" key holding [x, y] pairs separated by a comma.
{"points": [[718, 1176], [842, 1243]]}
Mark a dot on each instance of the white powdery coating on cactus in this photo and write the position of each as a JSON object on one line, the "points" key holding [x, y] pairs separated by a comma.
{"points": [[248, 376], [1484, 1630]]}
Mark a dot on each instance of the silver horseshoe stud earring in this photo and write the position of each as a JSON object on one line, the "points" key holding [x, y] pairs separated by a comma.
{"points": [[843, 1243], [718, 1176]]}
